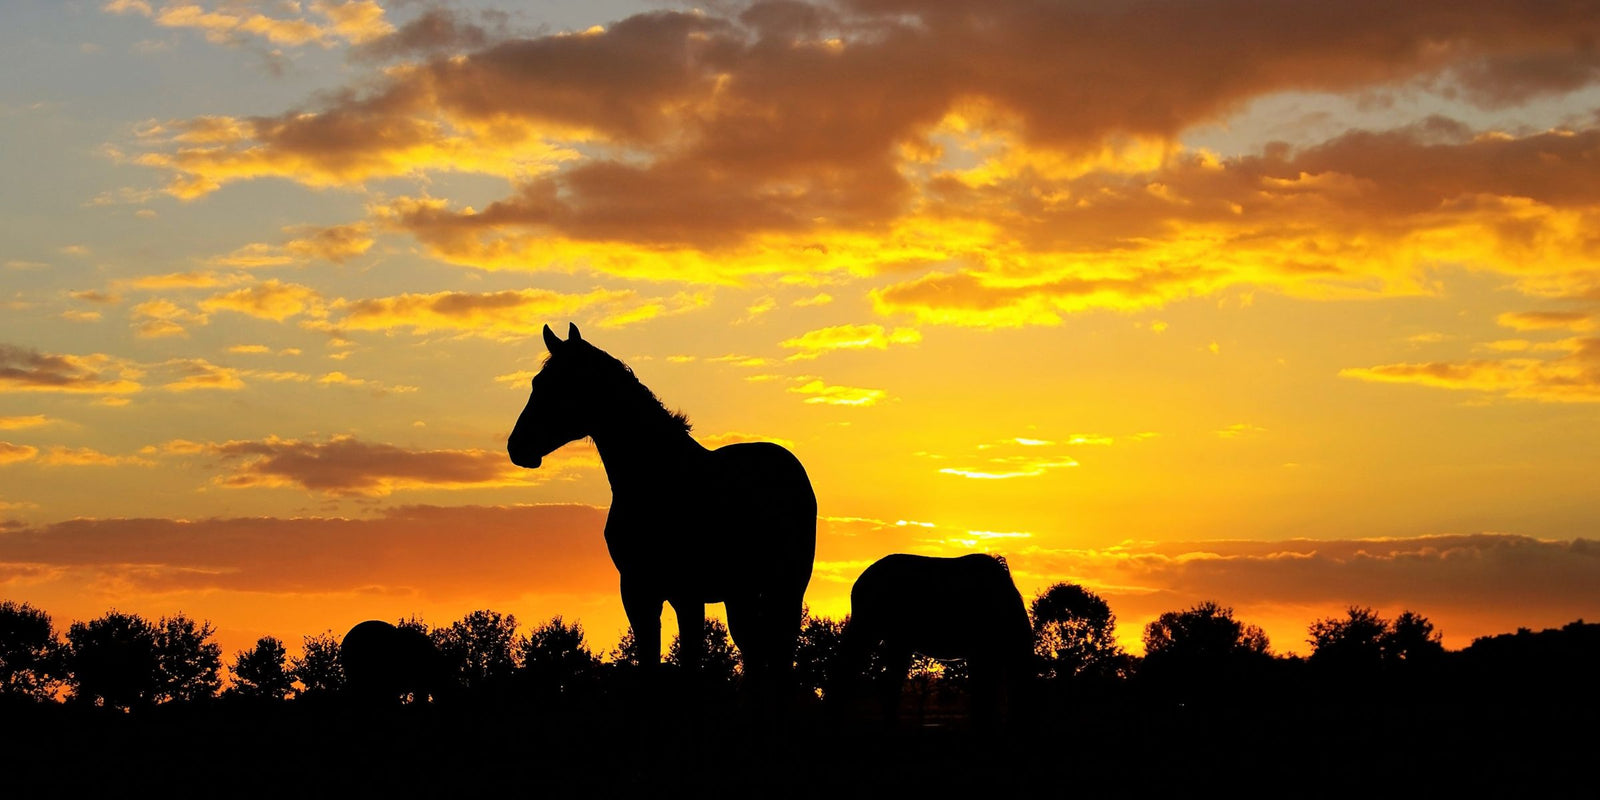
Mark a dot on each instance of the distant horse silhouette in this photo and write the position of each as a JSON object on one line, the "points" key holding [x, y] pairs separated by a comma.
{"points": [[383, 662], [945, 608], [688, 526]]}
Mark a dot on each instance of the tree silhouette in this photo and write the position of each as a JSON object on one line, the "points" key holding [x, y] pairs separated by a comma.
{"points": [[1364, 642], [719, 663], [1354, 643], [113, 661], [317, 668], [261, 672], [1202, 653], [30, 654], [189, 666], [1074, 634], [1412, 641], [555, 660], [817, 654], [1203, 633], [480, 648]]}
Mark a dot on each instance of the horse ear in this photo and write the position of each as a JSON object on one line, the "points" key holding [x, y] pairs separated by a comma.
{"points": [[572, 333], [551, 343]]}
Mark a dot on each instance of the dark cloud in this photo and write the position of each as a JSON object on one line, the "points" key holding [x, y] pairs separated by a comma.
{"points": [[23, 370], [345, 465], [435, 30], [471, 551]]}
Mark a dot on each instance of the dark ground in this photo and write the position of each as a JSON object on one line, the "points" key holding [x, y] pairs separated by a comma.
{"points": [[1430, 746]]}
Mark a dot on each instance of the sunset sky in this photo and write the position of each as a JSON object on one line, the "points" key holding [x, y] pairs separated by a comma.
{"points": [[1290, 306]]}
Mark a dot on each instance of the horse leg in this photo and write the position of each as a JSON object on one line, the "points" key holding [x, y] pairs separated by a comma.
{"points": [[691, 640], [897, 664], [644, 618]]}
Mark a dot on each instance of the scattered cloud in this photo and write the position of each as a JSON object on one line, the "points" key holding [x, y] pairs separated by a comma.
{"points": [[337, 243], [91, 296], [377, 387], [20, 422], [88, 457], [13, 453], [160, 318], [345, 465], [23, 370], [190, 374], [1576, 321], [1571, 378], [508, 314], [821, 393], [272, 299], [1241, 430], [328, 23], [848, 337]]}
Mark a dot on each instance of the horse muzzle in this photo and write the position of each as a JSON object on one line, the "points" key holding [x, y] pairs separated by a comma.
{"points": [[524, 459]]}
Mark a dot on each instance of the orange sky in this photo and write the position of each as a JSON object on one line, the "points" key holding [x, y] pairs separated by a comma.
{"points": [[1281, 305]]}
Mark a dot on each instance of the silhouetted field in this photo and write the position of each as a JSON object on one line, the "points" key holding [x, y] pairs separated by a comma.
{"points": [[1450, 736]]}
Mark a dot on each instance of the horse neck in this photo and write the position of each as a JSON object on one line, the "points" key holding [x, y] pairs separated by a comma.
{"points": [[639, 451]]}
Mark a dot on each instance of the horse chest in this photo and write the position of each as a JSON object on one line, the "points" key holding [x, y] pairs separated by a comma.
{"points": [[668, 536]]}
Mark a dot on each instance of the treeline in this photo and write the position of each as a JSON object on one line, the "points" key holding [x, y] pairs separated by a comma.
{"points": [[125, 661]]}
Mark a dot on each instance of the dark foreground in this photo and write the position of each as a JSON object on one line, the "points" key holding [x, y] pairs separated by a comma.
{"points": [[1543, 747]]}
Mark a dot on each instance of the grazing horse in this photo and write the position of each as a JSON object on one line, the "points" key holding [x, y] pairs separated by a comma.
{"points": [[688, 525], [945, 608], [383, 662]]}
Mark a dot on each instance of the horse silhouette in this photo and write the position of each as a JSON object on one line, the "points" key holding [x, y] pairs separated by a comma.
{"points": [[687, 525], [965, 607], [382, 663]]}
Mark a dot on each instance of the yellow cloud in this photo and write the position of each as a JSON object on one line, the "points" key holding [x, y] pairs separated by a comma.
{"points": [[839, 395], [197, 373], [355, 21], [161, 318], [848, 337], [1573, 378], [273, 299], [506, 314], [13, 453], [18, 423], [88, 457]]}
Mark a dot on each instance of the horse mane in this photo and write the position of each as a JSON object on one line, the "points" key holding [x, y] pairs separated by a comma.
{"points": [[611, 368]]}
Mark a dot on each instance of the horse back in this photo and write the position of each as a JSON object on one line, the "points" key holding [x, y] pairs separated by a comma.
{"points": [[942, 606]]}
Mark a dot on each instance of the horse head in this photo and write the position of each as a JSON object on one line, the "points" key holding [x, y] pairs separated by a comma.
{"points": [[560, 405]]}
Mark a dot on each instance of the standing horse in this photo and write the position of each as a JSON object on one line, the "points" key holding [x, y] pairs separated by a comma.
{"points": [[687, 526]]}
